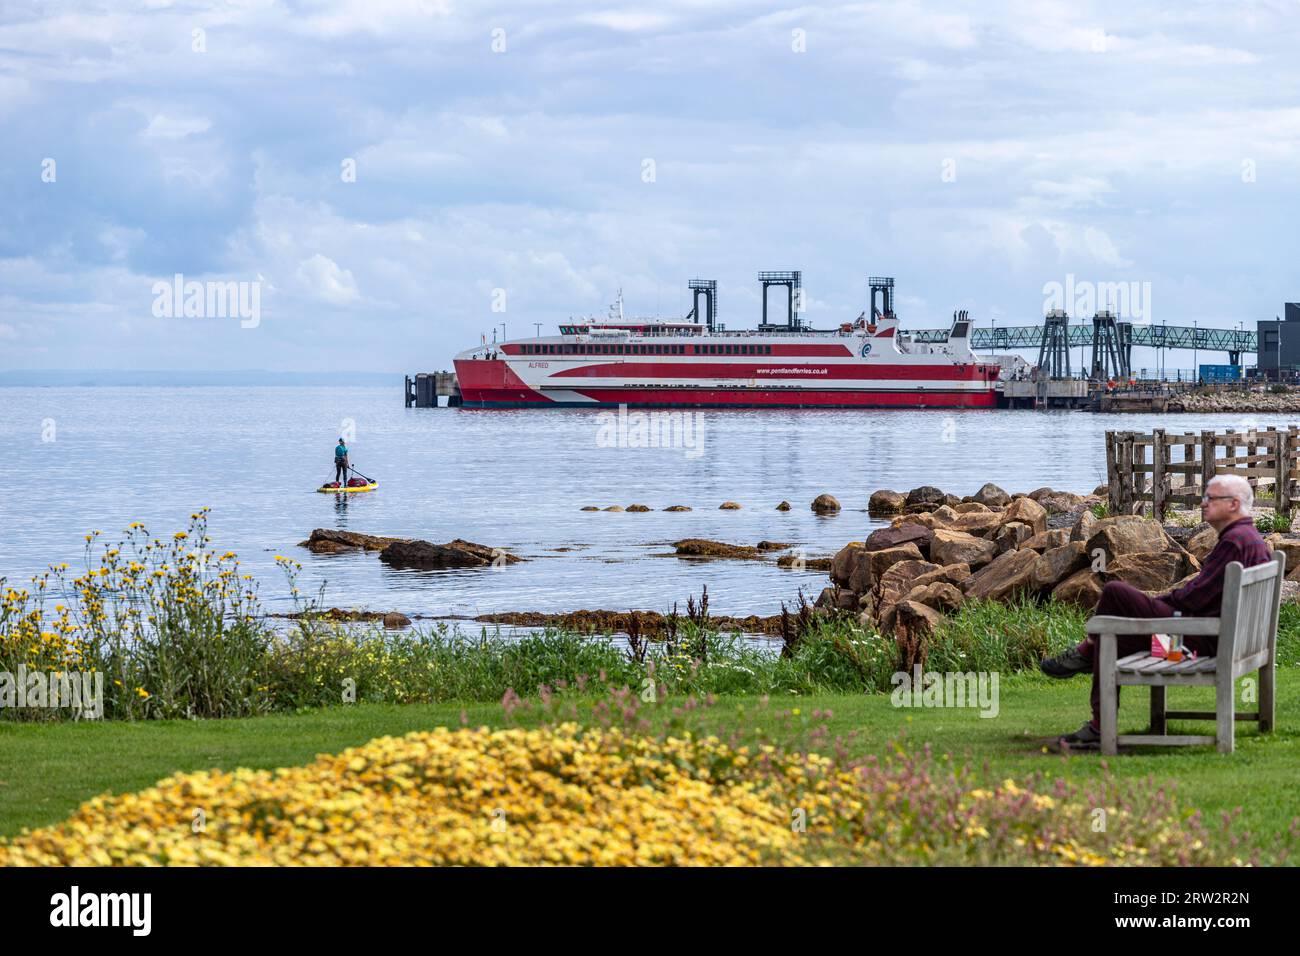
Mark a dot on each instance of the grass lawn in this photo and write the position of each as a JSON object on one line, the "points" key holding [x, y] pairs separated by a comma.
{"points": [[46, 770]]}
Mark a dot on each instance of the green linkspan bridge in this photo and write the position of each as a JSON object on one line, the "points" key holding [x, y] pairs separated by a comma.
{"points": [[1081, 333]]}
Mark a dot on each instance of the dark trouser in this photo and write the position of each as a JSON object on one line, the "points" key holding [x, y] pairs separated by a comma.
{"points": [[341, 470], [1123, 600]]}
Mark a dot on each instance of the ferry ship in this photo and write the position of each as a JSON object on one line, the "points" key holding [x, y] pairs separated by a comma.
{"points": [[867, 363]]}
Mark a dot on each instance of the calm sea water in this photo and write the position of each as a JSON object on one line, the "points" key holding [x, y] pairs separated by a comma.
{"points": [[80, 459]]}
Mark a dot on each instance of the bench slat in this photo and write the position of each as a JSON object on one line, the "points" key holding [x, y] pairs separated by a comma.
{"points": [[1108, 624]]}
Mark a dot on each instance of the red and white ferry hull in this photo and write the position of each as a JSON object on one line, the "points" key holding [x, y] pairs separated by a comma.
{"points": [[826, 370]]}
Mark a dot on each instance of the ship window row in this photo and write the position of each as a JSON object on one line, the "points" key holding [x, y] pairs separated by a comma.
{"points": [[629, 349]]}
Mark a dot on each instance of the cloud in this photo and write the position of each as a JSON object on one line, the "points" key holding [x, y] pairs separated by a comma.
{"points": [[522, 170], [324, 279]]}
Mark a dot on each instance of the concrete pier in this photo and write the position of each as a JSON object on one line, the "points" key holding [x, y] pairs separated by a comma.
{"points": [[424, 390]]}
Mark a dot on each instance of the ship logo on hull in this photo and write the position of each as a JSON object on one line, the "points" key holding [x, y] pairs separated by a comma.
{"points": [[866, 349]]}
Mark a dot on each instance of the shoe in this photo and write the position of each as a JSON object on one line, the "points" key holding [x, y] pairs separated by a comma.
{"points": [[1066, 664], [1085, 736]]}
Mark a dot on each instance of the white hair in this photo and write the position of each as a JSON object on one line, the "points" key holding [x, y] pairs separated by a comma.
{"points": [[1238, 487]]}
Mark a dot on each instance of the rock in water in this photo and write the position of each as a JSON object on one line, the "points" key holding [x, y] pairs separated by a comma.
{"points": [[704, 548], [454, 554], [885, 502], [329, 541], [825, 504], [926, 495]]}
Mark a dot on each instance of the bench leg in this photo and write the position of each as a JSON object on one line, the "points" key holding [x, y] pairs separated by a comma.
{"points": [[1267, 695], [1107, 647], [1158, 722], [1225, 710]]}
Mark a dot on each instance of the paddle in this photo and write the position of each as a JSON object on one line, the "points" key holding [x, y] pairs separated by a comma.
{"points": [[369, 481]]}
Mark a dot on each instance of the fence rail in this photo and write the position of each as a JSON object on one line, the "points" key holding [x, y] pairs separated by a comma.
{"points": [[1174, 469]]}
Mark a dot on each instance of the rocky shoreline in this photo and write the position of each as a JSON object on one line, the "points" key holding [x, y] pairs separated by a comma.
{"points": [[939, 551], [1227, 401], [937, 555]]}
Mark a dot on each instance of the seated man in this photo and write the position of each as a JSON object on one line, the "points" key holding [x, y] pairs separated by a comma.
{"points": [[1226, 507]]}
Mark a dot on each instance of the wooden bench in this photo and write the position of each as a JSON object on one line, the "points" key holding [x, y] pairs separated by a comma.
{"points": [[1247, 630]]}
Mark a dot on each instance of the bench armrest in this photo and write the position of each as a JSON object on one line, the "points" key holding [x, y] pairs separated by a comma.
{"points": [[1107, 624]]}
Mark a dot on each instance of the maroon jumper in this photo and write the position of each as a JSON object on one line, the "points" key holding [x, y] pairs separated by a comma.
{"points": [[1200, 597]]}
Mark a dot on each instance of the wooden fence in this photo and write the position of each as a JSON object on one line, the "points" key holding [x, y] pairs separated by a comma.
{"points": [[1173, 469]]}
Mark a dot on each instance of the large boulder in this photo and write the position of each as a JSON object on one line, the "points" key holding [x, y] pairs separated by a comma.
{"points": [[1146, 570], [950, 573], [944, 515], [913, 624], [1046, 540], [991, 495], [1011, 536], [1083, 589], [837, 599], [1060, 502], [979, 523], [892, 537], [1084, 525], [1056, 564], [971, 507], [1027, 511], [454, 554], [892, 586], [885, 502], [882, 561], [825, 504], [845, 561], [939, 595], [1126, 534], [1288, 546], [958, 547], [1039, 493], [331, 541], [925, 495], [924, 518], [1006, 577]]}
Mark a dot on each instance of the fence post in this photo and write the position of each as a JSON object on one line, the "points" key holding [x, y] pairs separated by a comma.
{"points": [[1126, 473], [1207, 459], [1112, 474], [1158, 490], [1288, 443]]}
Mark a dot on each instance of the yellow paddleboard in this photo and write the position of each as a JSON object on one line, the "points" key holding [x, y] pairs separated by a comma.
{"points": [[327, 491]]}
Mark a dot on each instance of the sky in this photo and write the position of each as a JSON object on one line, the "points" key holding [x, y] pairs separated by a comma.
{"points": [[385, 181]]}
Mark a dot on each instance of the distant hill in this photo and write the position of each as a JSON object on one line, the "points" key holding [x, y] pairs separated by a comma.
{"points": [[93, 377]]}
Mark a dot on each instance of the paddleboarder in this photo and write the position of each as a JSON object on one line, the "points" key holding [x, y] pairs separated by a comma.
{"points": [[341, 463]]}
